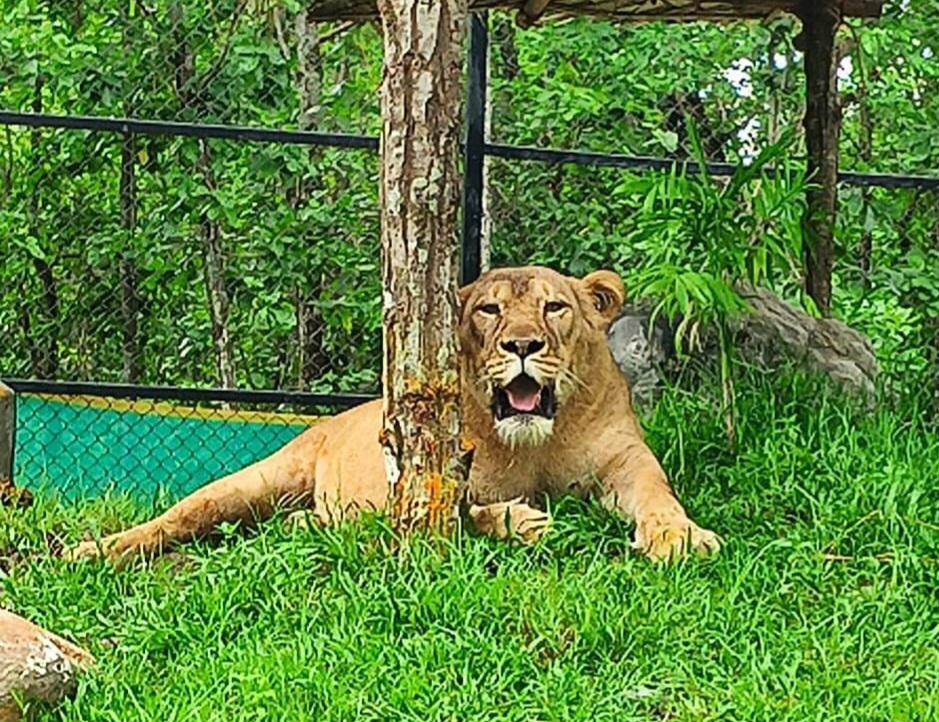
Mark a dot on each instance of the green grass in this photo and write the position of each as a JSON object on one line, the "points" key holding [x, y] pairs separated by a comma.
{"points": [[824, 604]]}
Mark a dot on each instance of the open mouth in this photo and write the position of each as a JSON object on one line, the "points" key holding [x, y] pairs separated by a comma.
{"points": [[524, 396]]}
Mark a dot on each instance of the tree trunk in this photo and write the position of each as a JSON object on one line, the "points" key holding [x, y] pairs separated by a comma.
{"points": [[865, 152], [309, 71], [216, 291], [190, 95], [49, 352], [820, 21], [486, 229], [621, 10], [130, 293], [312, 359], [420, 190], [7, 434], [47, 366]]}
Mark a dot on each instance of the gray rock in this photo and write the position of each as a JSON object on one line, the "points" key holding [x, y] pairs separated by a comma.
{"points": [[772, 332], [641, 352]]}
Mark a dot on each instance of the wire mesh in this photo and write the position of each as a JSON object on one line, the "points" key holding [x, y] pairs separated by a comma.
{"points": [[197, 264], [80, 447]]}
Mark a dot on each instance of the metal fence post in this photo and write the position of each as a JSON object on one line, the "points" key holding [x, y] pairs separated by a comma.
{"points": [[7, 430], [474, 153]]}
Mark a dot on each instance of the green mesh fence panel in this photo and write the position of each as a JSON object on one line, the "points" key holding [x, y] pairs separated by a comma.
{"points": [[83, 450]]}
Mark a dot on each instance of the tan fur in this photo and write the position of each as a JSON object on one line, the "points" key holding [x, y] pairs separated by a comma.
{"points": [[593, 446]]}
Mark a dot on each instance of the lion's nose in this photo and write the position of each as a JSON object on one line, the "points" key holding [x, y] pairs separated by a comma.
{"points": [[523, 347]]}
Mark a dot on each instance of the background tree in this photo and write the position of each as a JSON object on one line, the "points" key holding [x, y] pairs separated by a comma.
{"points": [[576, 84]]}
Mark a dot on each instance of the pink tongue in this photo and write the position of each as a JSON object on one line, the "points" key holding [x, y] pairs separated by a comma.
{"points": [[525, 400]]}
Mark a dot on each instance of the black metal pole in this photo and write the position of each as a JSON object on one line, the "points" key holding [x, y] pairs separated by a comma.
{"points": [[474, 152]]}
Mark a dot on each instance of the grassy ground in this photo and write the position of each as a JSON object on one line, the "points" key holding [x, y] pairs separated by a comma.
{"points": [[822, 606]]}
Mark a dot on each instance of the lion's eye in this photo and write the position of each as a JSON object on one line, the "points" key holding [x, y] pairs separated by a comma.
{"points": [[489, 309], [554, 306]]}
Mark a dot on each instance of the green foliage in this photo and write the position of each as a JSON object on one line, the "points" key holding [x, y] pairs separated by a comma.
{"points": [[299, 229], [699, 236]]}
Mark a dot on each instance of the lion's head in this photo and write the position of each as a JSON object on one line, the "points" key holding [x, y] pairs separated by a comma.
{"points": [[528, 335]]}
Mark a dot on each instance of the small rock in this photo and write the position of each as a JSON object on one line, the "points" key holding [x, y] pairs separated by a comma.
{"points": [[35, 665]]}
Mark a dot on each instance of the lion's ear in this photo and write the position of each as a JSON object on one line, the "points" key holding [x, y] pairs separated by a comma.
{"points": [[606, 291]]}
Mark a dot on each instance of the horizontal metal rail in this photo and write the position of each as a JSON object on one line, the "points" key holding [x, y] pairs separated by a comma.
{"points": [[174, 393], [187, 130], [495, 150], [612, 160]]}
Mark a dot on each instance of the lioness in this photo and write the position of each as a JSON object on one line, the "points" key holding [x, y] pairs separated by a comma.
{"points": [[543, 401]]}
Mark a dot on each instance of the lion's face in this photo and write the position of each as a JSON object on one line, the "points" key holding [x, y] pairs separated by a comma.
{"points": [[527, 336]]}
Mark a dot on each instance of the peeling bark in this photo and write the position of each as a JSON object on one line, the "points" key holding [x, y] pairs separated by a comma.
{"points": [[420, 190], [486, 230]]}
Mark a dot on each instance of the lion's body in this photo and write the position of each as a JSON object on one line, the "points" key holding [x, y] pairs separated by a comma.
{"points": [[590, 445]]}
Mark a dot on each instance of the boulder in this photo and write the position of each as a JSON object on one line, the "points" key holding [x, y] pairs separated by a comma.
{"points": [[771, 332], [35, 665], [775, 329]]}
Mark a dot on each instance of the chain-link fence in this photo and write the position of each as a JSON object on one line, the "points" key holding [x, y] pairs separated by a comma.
{"points": [[82, 446], [194, 247]]}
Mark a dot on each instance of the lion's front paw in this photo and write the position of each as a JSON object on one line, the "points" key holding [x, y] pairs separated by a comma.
{"points": [[671, 540], [510, 519]]}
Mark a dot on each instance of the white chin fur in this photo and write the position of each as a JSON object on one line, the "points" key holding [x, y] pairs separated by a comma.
{"points": [[524, 430]]}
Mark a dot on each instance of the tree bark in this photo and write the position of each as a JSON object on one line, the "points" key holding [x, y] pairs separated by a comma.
{"points": [[865, 153], [213, 265], [46, 361], [127, 190], [486, 229], [7, 432], [130, 292], [191, 95], [312, 359], [420, 190], [820, 22]]}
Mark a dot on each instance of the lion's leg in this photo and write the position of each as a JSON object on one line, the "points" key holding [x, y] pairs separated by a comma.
{"points": [[515, 518], [284, 479], [637, 488]]}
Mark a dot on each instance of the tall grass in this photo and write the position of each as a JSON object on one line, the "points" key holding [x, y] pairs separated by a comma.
{"points": [[822, 605]]}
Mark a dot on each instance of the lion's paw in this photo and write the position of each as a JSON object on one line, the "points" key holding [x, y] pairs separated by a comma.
{"points": [[83, 550], [673, 540], [113, 548], [511, 519]]}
